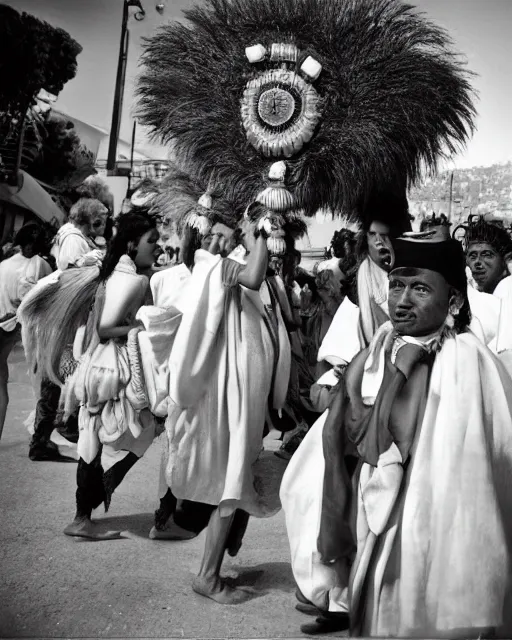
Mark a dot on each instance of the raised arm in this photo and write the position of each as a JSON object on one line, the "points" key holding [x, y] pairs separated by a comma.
{"points": [[253, 274]]}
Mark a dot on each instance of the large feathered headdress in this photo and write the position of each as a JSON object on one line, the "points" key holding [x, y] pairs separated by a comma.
{"points": [[305, 104]]}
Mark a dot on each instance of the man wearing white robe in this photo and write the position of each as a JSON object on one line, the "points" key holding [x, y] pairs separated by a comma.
{"points": [[229, 364], [427, 411], [488, 248], [385, 217]]}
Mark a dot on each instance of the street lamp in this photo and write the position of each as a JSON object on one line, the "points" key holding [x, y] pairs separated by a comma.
{"points": [[120, 80]]}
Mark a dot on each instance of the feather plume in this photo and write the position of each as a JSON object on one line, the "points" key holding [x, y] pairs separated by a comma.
{"points": [[395, 97], [177, 200]]}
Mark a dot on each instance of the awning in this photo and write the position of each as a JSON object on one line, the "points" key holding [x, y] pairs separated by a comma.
{"points": [[33, 197]]}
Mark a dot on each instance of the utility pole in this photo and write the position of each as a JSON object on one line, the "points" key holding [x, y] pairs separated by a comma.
{"points": [[451, 194], [120, 80], [131, 154]]}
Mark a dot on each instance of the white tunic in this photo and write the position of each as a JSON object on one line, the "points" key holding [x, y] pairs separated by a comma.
{"points": [[221, 372]]}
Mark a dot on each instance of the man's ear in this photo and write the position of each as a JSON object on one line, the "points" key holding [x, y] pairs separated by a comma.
{"points": [[456, 302]]}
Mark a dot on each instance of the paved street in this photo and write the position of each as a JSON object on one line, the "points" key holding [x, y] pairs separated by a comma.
{"points": [[52, 585]]}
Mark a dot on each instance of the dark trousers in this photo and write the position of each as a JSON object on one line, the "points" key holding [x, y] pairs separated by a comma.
{"points": [[46, 412], [49, 418], [194, 517], [94, 486]]}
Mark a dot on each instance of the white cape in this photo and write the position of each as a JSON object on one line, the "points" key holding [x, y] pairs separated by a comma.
{"points": [[221, 373], [442, 563]]}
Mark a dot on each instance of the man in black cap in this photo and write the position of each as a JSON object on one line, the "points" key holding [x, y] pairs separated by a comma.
{"points": [[421, 524]]}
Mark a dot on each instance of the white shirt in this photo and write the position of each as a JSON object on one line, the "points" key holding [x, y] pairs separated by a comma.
{"points": [[70, 245], [17, 276]]}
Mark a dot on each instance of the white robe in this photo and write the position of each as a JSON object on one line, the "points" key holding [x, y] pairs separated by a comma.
{"points": [[221, 370], [492, 319], [442, 561], [352, 324], [161, 322]]}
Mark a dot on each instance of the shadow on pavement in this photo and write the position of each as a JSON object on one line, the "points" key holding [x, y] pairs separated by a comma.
{"points": [[134, 524], [270, 575]]}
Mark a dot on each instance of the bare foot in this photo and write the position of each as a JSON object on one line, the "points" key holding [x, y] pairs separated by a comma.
{"points": [[219, 591], [84, 528], [171, 532]]}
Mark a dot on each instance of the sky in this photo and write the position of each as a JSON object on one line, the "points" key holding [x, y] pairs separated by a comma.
{"points": [[481, 30]]}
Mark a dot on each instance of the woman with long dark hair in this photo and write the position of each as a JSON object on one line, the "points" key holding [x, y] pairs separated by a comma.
{"points": [[94, 309]]}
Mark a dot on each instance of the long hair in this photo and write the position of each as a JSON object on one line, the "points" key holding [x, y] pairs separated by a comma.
{"points": [[130, 228], [190, 243], [52, 314]]}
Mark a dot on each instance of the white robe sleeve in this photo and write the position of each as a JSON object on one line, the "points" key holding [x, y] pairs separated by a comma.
{"points": [[73, 248], [342, 342]]}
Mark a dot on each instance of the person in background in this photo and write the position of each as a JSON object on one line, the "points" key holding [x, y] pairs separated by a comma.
{"points": [[488, 248], [385, 217], [94, 309], [73, 247], [73, 244], [18, 274], [334, 279]]}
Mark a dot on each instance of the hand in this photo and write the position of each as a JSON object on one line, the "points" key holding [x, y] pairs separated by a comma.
{"points": [[218, 244], [93, 258]]}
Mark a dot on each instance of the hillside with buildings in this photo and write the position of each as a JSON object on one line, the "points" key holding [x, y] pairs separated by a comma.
{"points": [[476, 190]]}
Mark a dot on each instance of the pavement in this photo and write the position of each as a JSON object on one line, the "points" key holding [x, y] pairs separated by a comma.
{"points": [[55, 586]]}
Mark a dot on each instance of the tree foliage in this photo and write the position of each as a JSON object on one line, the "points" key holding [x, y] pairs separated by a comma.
{"points": [[63, 161]]}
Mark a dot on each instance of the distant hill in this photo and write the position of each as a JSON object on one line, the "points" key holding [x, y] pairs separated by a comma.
{"points": [[475, 190]]}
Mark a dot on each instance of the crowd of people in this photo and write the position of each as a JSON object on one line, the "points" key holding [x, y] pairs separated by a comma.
{"points": [[386, 369]]}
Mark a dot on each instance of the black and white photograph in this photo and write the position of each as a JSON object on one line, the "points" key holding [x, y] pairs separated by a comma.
{"points": [[256, 319]]}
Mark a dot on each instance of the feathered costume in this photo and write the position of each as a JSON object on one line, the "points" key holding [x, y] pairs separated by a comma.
{"points": [[354, 96], [243, 355]]}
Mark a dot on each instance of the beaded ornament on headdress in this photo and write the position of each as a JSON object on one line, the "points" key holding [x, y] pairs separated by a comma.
{"points": [[199, 217]]}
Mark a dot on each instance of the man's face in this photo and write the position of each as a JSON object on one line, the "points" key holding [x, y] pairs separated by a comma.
{"points": [[380, 249], [486, 264], [419, 301]]}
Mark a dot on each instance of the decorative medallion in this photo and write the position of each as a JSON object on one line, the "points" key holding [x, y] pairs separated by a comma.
{"points": [[280, 111], [276, 106]]}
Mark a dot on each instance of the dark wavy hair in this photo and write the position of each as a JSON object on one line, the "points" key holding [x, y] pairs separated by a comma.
{"points": [[31, 233], [191, 241], [130, 227], [343, 243]]}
